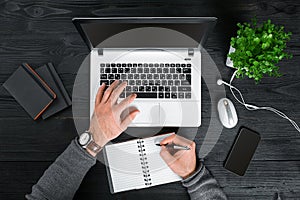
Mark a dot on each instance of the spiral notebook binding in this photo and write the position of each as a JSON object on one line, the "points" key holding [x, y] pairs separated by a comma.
{"points": [[144, 162]]}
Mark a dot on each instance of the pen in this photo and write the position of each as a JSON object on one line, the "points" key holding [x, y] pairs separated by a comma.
{"points": [[174, 146]]}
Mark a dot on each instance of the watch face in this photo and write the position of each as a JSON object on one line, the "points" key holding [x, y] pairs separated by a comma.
{"points": [[84, 138]]}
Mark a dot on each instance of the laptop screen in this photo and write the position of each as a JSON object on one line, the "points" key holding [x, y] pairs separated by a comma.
{"points": [[144, 32]]}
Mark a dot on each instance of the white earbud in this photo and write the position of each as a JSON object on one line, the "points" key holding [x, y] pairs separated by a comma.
{"points": [[219, 81]]}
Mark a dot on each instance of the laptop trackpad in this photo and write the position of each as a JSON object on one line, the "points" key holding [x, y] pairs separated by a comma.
{"points": [[149, 112]]}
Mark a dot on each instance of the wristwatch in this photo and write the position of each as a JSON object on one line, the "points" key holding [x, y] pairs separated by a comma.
{"points": [[86, 141]]}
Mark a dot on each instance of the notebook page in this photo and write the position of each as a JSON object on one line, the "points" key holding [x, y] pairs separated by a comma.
{"points": [[159, 171], [125, 167]]}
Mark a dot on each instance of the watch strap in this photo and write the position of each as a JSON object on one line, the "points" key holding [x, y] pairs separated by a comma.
{"points": [[94, 147]]}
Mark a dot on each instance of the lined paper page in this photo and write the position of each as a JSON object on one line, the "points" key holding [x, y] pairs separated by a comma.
{"points": [[125, 166], [159, 171]]}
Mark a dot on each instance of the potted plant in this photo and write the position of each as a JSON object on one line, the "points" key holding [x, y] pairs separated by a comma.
{"points": [[257, 49]]}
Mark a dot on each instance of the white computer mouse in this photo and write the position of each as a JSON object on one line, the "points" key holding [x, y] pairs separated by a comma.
{"points": [[227, 113]]}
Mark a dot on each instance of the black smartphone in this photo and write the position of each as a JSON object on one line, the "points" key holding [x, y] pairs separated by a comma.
{"points": [[242, 151]]}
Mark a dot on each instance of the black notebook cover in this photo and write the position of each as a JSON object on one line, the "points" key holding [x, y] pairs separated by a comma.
{"points": [[30, 90], [62, 101]]}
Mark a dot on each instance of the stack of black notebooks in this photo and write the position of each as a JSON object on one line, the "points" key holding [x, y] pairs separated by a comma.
{"points": [[40, 92]]}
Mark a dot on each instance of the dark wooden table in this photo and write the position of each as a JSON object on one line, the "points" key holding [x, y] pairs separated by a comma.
{"points": [[41, 31]]}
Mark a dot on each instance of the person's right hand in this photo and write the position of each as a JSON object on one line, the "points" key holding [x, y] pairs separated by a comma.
{"points": [[182, 162], [106, 123]]}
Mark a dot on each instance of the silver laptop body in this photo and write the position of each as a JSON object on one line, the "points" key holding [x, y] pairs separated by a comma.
{"points": [[160, 58]]}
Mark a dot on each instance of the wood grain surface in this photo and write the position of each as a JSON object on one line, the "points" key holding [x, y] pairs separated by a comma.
{"points": [[41, 31]]}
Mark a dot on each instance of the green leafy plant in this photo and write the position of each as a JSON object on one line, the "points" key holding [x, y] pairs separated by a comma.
{"points": [[258, 48]]}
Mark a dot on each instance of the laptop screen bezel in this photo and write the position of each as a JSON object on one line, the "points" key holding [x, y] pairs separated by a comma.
{"points": [[211, 21]]}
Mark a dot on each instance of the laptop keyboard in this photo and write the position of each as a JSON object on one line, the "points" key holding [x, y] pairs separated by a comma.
{"points": [[150, 80]]}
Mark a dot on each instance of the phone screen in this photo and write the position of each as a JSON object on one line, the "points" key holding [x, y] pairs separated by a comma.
{"points": [[242, 151]]}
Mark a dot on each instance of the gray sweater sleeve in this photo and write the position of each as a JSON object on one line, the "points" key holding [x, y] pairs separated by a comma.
{"points": [[201, 185], [62, 179]]}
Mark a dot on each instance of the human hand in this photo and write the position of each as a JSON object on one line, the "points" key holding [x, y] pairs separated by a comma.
{"points": [[182, 162], [106, 123]]}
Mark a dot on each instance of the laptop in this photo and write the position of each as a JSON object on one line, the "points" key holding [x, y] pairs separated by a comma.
{"points": [[159, 57]]}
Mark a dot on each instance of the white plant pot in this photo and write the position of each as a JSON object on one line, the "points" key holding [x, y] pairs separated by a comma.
{"points": [[229, 62]]}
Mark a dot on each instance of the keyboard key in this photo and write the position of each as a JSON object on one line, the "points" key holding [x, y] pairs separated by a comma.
{"points": [[177, 82], [167, 95], [170, 82], [161, 65], [101, 70], [146, 70], [135, 88], [134, 65], [187, 70], [172, 70], [140, 65], [131, 82], [160, 95], [185, 82], [180, 95], [183, 65], [144, 82], [136, 76], [132, 70], [166, 70], [140, 70], [184, 89], [173, 88], [175, 76], [146, 95], [159, 70], [114, 70], [128, 88], [162, 76], [120, 70], [188, 65], [111, 82], [154, 88], [148, 88], [104, 81], [172, 65], [126, 70], [181, 76], [150, 65], [107, 70], [130, 76], [129, 65], [123, 76], [149, 76], [167, 88], [103, 76], [122, 95], [188, 95], [167, 65], [123, 64], [113, 64], [152, 70], [161, 88], [177, 65], [156, 65], [151, 82], [119, 65], [164, 82], [156, 76], [142, 88], [169, 76], [178, 70], [138, 82], [146, 65], [143, 76], [117, 76], [188, 77], [102, 65], [111, 76], [174, 95], [157, 82]]}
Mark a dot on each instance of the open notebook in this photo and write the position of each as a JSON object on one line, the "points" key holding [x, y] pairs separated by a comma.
{"points": [[137, 164]]}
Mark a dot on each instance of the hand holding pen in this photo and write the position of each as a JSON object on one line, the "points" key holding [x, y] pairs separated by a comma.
{"points": [[182, 163]]}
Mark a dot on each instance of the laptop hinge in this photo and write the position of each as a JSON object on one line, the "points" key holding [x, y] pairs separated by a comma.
{"points": [[191, 52], [100, 52]]}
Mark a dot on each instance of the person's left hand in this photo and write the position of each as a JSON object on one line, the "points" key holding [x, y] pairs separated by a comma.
{"points": [[106, 123]]}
